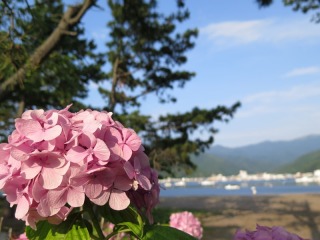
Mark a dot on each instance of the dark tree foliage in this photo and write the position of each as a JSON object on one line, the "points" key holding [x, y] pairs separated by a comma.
{"points": [[59, 80], [145, 55], [145, 50], [297, 5]]}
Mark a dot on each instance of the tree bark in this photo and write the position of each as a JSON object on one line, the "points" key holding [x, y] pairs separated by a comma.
{"points": [[70, 18], [115, 79]]}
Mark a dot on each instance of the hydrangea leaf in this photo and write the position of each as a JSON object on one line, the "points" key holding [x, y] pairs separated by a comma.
{"points": [[127, 215], [161, 232], [74, 228], [135, 229], [125, 219]]}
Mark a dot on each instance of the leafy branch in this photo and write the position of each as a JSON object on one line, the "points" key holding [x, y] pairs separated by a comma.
{"points": [[70, 18]]}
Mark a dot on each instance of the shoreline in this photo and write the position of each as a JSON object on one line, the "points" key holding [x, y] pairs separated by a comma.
{"points": [[206, 202], [222, 216]]}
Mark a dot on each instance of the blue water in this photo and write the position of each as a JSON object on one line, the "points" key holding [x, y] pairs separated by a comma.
{"points": [[262, 188]]}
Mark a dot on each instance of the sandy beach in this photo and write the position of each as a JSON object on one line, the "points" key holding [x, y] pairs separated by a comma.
{"points": [[222, 216]]}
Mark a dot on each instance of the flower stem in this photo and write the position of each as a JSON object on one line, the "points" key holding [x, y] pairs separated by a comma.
{"points": [[89, 208]]}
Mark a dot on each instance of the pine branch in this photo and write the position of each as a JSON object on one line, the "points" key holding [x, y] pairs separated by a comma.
{"points": [[115, 79], [70, 18], [21, 107]]}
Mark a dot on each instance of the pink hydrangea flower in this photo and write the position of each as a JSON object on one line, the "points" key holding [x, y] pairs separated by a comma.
{"points": [[187, 222], [266, 233], [55, 159], [22, 236], [108, 229]]}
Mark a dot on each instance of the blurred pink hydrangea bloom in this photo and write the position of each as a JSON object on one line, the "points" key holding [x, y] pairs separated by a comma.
{"points": [[108, 229], [22, 236], [186, 222], [55, 159], [266, 233]]}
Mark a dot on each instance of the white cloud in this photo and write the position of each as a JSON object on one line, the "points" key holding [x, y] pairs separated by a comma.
{"points": [[294, 93], [282, 123], [232, 33], [302, 71], [239, 32], [269, 133], [100, 34], [255, 111], [297, 99]]}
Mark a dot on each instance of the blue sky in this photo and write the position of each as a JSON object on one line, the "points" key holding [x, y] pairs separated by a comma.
{"points": [[266, 58]]}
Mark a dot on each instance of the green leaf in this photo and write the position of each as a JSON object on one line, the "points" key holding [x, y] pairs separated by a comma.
{"points": [[135, 229], [160, 232], [128, 218], [74, 228], [127, 215]]}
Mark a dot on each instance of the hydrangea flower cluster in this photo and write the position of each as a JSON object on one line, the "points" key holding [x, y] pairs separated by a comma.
{"points": [[108, 229], [187, 222], [22, 236], [266, 233], [55, 159]]}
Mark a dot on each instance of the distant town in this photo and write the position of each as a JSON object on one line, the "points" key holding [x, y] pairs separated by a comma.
{"points": [[243, 176]]}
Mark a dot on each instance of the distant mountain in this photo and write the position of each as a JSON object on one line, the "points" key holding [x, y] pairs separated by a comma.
{"points": [[208, 164], [306, 163], [262, 157]]}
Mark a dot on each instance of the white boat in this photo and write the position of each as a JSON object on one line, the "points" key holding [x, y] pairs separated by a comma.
{"points": [[304, 179], [167, 184], [180, 183], [253, 190], [207, 183], [231, 187]]}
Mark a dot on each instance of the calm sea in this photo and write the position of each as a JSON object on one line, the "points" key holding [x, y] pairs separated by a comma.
{"points": [[241, 189]]}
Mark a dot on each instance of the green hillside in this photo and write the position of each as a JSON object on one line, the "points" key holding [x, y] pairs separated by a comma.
{"points": [[302, 154], [269, 154], [208, 164], [306, 163]]}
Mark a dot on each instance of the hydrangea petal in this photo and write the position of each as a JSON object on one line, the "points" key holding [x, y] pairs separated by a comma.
{"points": [[49, 179], [129, 169], [52, 120], [52, 133], [22, 207], [45, 210], [29, 169], [75, 198], [91, 125], [131, 139], [126, 152], [80, 180], [37, 114], [21, 153], [4, 154], [31, 129], [38, 191], [102, 199], [57, 198], [87, 139], [4, 175], [123, 183], [76, 154], [93, 188], [101, 151], [118, 200], [144, 182], [137, 165]]}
